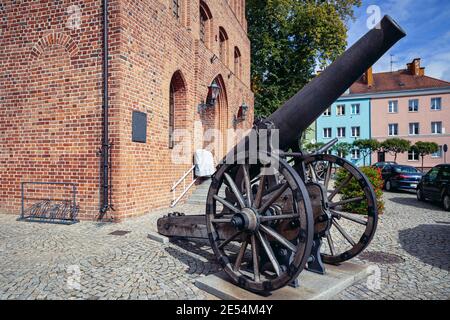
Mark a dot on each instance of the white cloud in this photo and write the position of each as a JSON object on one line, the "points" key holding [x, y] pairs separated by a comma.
{"points": [[434, 51]]}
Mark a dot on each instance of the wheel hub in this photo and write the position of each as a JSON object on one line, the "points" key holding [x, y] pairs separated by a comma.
{"points": [[246, 220]]}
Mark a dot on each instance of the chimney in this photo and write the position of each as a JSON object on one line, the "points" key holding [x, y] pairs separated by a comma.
{"points": [[414, 68], [368, 77]]}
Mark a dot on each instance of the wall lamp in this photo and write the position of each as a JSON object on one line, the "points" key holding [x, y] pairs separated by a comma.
{"points": [[213, 94], [241, 114], [214, 58]]}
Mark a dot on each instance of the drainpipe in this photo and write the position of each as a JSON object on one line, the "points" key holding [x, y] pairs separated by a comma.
{"points": [[105, 138]]}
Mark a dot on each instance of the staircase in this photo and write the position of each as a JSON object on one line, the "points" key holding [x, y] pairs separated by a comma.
{"points": [[198, 197]]}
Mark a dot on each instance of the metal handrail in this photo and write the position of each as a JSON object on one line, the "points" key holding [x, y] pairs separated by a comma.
{"points": [[182, 178], [174, 202]]}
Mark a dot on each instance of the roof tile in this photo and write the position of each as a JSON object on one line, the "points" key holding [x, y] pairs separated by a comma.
{"points": [[397, 81]]}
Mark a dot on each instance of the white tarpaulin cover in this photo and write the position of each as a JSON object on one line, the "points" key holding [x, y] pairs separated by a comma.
{"points": [[204, 163]]}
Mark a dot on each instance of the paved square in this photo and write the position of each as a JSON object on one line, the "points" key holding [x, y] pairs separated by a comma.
{"points": [[83, 261]]}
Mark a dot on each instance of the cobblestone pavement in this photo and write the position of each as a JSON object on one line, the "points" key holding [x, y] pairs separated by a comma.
{"points": [[82, 261], [411, 248]]}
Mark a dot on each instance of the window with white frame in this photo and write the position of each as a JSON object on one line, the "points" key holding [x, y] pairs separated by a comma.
{"points": [[393, 129], [436, 103], [341, 132], [437, 154], [393, 106], [355, 109], [341, 154], [327, 132], [356, 154], [413, 128], [436, 127], [340, 110], [413, 155], [413, 105], [327, 112], [356, 132]]}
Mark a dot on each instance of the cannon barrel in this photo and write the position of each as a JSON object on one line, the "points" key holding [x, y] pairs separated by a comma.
{"points": [[299, 112]]}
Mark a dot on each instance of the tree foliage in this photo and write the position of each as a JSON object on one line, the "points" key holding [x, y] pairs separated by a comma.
{"points": [[342, 149], [424, 148], [288, 39], [311, 147], [366, 147], [395, 146], [353, 190]]}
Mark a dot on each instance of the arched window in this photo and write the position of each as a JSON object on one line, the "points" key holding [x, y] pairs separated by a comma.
{"points": [[177, 105], [237, 63], [171, 115], [205, 24], [223, 45]]}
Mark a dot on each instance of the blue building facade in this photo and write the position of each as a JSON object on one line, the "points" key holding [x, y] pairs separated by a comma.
{"points": [[348, 119]]}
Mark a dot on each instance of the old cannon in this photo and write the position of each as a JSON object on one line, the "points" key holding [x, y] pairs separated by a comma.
{"points": [[269, 214]]}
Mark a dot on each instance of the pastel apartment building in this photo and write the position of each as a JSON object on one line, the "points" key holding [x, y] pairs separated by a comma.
{"points": [[347, 119], [405, 104]]}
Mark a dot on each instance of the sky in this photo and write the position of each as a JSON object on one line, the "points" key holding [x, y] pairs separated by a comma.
{"points": [[427, 24]]}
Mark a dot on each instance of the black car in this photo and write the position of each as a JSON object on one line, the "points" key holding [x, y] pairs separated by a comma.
{"points": [[435, 186], [400, 177], [381, 165]]}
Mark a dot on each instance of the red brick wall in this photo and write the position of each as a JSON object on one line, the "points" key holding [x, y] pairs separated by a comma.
{"points": [[51, 115]]}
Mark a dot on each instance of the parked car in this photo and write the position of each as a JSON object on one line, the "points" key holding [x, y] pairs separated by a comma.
{"points": [[435, 186], [381, 165], [400, 177]]}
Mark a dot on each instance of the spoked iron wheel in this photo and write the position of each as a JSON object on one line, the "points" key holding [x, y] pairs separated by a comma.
{"points": [[269, 213], [320, 168], [354, 213]]}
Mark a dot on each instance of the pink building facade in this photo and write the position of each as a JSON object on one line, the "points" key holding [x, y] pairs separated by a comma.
{"points": [[417, 115], [410, 105]]}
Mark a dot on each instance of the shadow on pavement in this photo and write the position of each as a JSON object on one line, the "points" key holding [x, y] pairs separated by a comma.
{"points": [[412, 202], [198, 247], [428, 242]]}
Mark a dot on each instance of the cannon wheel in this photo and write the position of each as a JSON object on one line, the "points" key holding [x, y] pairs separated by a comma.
{"points": [[279, 239], [320, 168], [364, 224]]}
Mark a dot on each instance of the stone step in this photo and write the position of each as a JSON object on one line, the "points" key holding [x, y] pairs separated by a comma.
{"points": [[200, 193], [312, 285]]}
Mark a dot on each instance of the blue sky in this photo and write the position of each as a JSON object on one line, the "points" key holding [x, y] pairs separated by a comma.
{"points": [[427, 24]]}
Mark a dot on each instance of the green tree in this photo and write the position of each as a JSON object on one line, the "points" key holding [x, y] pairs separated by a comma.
{"points": [[425, 148], [311, 147], [288, 39], [342, 149], [366, 147], [395, 146]]}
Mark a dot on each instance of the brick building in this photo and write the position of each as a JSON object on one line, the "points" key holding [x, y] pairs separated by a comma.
{"points": [[163, 56]]}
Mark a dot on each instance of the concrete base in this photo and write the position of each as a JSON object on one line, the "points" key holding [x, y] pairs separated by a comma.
{"points": [[157, 237], [313, 286]]}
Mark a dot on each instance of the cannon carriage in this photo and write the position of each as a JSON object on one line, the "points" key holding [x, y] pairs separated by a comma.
{"points": [[269, 212]]}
